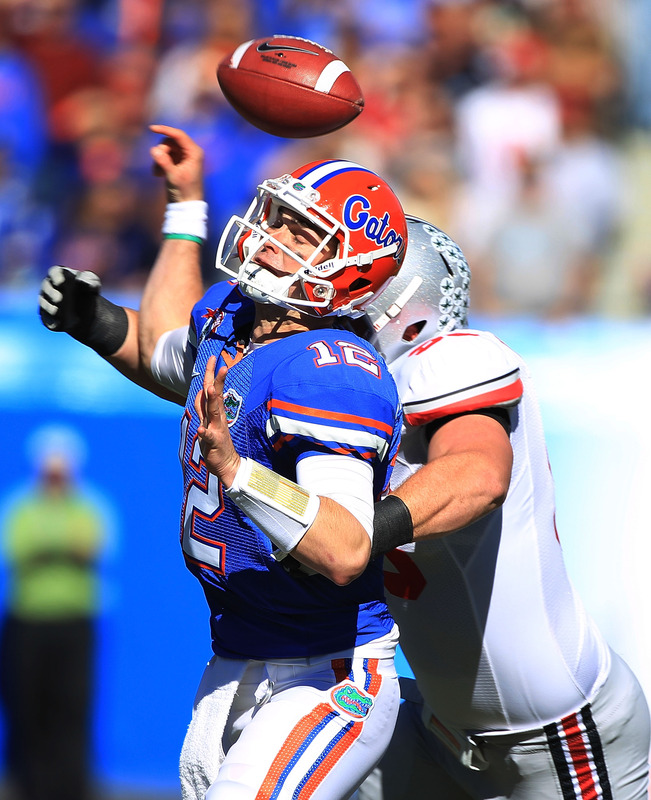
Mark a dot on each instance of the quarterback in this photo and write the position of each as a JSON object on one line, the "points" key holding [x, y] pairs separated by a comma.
{"points": [[290, 427]]}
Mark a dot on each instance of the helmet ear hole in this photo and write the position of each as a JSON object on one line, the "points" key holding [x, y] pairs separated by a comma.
{"points": [[428, 297], [412, 330], [358, 284], [447, 264]]}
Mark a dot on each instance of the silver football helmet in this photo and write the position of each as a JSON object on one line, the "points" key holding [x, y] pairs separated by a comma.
{"points": [[430, 294]]}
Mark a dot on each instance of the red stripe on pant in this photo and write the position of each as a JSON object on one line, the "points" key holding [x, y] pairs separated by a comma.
{"points": [[580, 753]]}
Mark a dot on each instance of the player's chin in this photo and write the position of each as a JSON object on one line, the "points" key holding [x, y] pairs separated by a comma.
{"points": [[275, 269]]}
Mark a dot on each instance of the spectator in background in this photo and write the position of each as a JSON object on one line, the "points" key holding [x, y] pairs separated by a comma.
{"points": [[455, 58], [185, 93], [534, 262], [635, 24], [542, 200], [96, 96], [318, 20], [107, 231], [184, 84], [109, 222], [22, 105], [51, 543], [390, 26], [513, 119], [25, 226], [47, 32]]}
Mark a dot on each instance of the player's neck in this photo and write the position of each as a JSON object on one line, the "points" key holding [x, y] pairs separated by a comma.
{"points": [[272, 323]]}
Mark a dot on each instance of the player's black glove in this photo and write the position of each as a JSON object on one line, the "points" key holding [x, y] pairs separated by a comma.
{"points": [[70, 301]]}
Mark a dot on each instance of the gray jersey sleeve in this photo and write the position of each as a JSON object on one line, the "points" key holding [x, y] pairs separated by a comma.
{"points": [[172, 361]]}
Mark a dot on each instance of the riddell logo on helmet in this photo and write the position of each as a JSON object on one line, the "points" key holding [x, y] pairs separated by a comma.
{"points": [[356, 217]]}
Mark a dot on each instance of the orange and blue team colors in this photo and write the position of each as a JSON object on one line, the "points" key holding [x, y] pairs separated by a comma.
{"points": [[315, 721], [312, 393]]}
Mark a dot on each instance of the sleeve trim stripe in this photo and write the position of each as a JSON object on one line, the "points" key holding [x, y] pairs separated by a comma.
{"points": [[342, 450], [493, 383], [333, 416], [509, 395], [362, 440]]}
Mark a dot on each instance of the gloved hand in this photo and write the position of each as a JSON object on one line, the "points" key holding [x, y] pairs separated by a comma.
{"points": [[69, 301], [68, 298]]}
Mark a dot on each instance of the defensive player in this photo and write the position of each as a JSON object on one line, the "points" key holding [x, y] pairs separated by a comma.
{"points": [[518, 695], [284, 450]]}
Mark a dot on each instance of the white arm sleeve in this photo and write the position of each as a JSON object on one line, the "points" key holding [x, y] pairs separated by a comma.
{"points": [[171, 362], [347, 480], [285, 510]]}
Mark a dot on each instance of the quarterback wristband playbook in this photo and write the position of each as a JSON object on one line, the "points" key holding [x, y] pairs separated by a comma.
{"points": [[186, 220], [282, 509], [392, 526]]}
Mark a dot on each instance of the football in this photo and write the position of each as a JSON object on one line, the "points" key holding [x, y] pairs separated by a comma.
{"points": [[290, 87]]}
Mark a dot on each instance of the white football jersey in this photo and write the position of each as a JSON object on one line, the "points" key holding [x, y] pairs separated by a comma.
{"points": [[495, 633]]}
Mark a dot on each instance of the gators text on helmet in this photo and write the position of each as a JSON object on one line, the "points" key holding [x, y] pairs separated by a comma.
{"points": [[361, 222]]}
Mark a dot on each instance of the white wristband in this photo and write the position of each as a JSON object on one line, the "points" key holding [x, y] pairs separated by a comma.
{"points": [[282, 509], [188, 218]]}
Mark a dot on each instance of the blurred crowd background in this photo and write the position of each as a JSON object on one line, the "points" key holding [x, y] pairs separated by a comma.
{"points": [[520, 127]]}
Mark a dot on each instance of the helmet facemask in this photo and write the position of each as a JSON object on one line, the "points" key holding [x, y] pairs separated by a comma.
{"points": [[338, 278], [244, 236]]}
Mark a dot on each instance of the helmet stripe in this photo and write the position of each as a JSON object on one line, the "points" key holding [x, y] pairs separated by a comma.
{"points": [[329, 169]]}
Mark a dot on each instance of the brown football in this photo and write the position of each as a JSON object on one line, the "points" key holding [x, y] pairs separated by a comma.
{"points": [[290, 87]]}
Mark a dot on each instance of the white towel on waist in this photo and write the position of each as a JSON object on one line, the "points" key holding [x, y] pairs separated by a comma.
{"points": [[203, 752]]}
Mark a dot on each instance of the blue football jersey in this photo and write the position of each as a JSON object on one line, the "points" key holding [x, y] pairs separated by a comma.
{"points": [[315, 392]]}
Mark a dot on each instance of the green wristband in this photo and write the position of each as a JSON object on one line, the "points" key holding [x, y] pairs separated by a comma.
{"points": [[188, 236]]}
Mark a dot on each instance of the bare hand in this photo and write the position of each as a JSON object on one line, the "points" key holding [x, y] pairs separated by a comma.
{"points": [[214, 437], [180, 160]]}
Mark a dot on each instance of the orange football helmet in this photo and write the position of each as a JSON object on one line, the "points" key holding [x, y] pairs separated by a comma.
{"points": [[353, 209]]}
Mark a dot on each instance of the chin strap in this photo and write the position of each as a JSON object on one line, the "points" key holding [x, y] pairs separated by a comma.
{"points": [[366, 259], [398, 304]]}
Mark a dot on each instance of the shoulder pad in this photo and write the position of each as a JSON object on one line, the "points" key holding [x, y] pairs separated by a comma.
{"points": [[356, 360], [332, 384], [457, 372]]}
